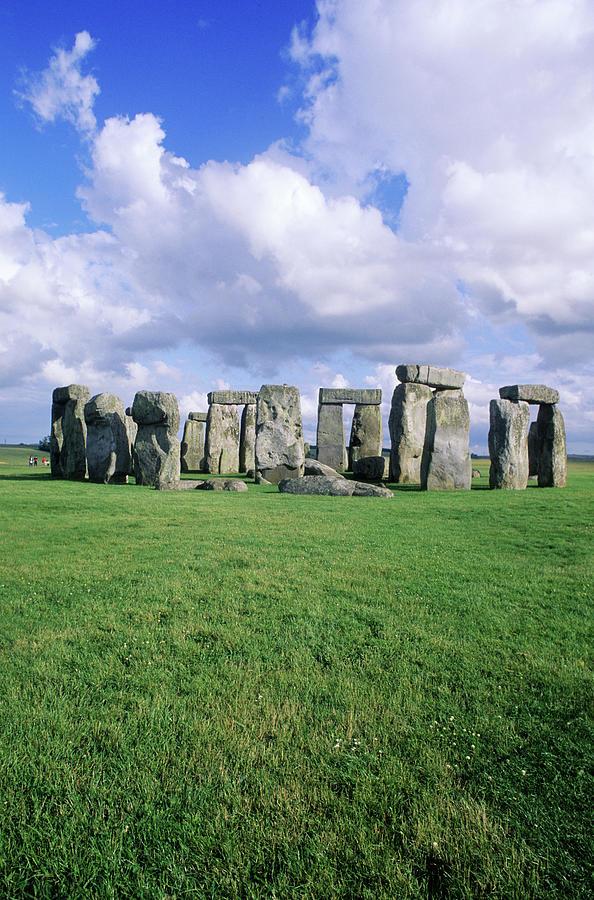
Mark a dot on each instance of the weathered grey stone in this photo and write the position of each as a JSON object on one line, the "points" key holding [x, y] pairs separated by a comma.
{"points": [[279, 433], [197, 416], [530, 393], [552, 453], [508, 444], [185, 485], [68, 437], [247, 438], [446, 458], [533, 449], [108, 442], [192, 446], [433, 376], [156, 448], [331, 437], [366, 396], [371, 468], [222, 439], [331, 486], [156, 408], [224, 484], [408, 424], [476, 473], [233, 398], [315, 467], [366, 433], [132, 429]]}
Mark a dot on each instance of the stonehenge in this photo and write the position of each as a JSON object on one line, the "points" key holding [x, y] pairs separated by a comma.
{"points": [[229, 446], [68, 436], [430, 429], [156, 449], [109, 455], [279, 452], [516, 451], [366, 431]]}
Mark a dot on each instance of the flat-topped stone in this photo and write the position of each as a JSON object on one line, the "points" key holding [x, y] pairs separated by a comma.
{"points": [[331, 486], [433, 376], [62, 395], [530, 393], [233, 398], [156, 408], [197, 416], [365, 397]]}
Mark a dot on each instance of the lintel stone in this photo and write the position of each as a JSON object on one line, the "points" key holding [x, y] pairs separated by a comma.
{"points": [[433, 376], [197, 416], [530, 393], [233, 398], [364, 397]]}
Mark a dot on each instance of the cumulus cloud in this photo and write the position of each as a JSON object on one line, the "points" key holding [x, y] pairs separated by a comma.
{"points": [[61, 91]]}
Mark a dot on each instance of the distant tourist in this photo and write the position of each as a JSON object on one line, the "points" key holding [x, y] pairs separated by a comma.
{"points": [[30, 460]]}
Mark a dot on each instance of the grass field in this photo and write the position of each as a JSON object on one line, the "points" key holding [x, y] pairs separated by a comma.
{"points": [[215, 695]]}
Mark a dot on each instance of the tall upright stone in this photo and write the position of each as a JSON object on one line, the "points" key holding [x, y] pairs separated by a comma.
{"points": [[279, 433], [132, 429], [446, 461], [552, 453], [330, 437], [222, 439], [192, 445], [156, 449], [508, 444], [533, 449], [408, 423], [108, 443], [68, 438], [247, 438], [366, 433]]}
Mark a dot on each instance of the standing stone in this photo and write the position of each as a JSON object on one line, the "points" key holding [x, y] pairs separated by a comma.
{"points": [[156, 449], [279, 433], [108, 443], [247, 439], [552, 453], [132, 429], [68, 439], [508, 444], [533, 449], [222, 439], [408, 423], [330, 437], [446, 461], [192, 445], [366, 433]]}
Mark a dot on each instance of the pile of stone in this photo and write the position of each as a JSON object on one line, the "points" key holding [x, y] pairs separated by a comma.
{"points": [[516, 453], [430, 429], [366, 430]]}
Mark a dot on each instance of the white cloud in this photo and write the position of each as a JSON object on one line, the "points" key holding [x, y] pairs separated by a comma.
{"points": [[61, 91]]}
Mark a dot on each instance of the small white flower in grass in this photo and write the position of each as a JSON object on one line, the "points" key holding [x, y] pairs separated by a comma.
{"points": [[467, 757], [434, 845], [523, 771]]}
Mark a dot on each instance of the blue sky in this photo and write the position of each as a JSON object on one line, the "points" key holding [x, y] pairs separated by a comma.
{"points": [[223, 194]]}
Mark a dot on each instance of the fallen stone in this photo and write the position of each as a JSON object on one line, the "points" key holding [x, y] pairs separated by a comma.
{"points": [[222, 439], [371, 468], [552, 453], [530, 393], [330, 437], [233, 398], [331, 486], [367, 396], [279, 433], [446, 458], [508, 444], [108, 444], [315, 467], [68, 437], [408, 424], [224, 484], [186, 485], [366, 433], [433, 376]]}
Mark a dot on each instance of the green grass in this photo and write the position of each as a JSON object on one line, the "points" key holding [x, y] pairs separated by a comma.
{"points": [[270, 696]]}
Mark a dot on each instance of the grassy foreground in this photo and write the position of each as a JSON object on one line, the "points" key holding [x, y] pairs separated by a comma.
{"points": [[215, 695]]}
